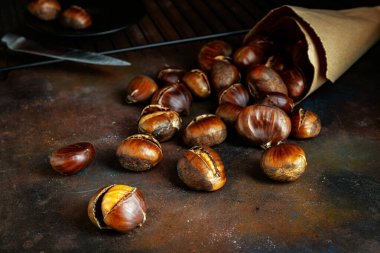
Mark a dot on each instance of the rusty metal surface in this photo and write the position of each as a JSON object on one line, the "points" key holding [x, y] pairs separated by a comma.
{"points": [[333, 207]]}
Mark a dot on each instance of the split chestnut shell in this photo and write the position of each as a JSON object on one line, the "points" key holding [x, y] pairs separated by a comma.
{"points": [[118, 207], [263, 125]]}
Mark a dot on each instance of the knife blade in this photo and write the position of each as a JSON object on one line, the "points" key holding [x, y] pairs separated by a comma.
{"points": [[21, 44]]}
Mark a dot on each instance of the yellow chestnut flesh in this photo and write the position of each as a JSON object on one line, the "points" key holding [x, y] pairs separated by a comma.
{"points": [[284, 163], [201, 168], [118, 207]]}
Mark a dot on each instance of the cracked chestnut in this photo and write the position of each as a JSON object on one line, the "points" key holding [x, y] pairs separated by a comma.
{"points": [[197, 82], [44, 9], [263, 125], [118, 207], [305, 124], [212, 52], [159, 121], [201, 168], [206, 129], [76, 17], [234, 94], [175, 96], [140, 89], [284, 163], [139, 152], [73, 158], [223, 74]]}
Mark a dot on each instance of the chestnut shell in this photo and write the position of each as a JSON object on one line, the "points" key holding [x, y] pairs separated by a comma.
{"points": [[234, 94], [76, 17], [212, 52], [263, 125], [44, 9], [305, 124], [140, 89]]}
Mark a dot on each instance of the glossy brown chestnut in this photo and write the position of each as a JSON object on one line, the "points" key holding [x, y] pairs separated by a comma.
{"points": [[295, 82], [234, 94], [197, 82], [284, 163], [118, 207], [264, 42], [140, 89], [206, 129], [139, 152], [175, 96], [76, 17], [248, 56], [277, 62], [201, 168], [262, 80], [212, 52], [263, 125], [228, 112], [223, 74], [279, 100], [71, 159], [44, 9], [170, 75], [159, 121], [305, 124]]}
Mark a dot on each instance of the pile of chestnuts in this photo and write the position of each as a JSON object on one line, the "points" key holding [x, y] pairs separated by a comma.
{"points": [[256, 87], [74, 17]]}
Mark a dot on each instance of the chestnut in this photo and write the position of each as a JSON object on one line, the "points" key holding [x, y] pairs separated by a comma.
{"points": [[206, 129], [284, 163], [262, 80], [139, 152], [212, 52], [235, 94], [170, 75], [263, 125], [228, 112], [223, 74], [44, 9], [71, 159], [118, 207], [248, 56], [201, 168], [277, 99], [197, 82], [159, 121], [305, 124], [264, 42], [76, 17], [294, 80], [175, 96], [277, 62], [140, 89]]}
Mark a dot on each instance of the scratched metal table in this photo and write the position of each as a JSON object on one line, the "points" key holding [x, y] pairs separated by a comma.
{"points": [[333, 207]]}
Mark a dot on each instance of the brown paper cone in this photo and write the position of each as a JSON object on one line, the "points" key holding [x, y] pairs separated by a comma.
{"points": [[336, 39]]}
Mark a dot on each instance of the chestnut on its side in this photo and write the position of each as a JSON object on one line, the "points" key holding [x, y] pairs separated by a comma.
{"points": [[197, 82], [246, 56], [76, 17], [305, 124], [277, 99], [234, 94], [228, 112], [71, 159], [284, 163], [140, 89], [44, 9], [201, 168], [139, 152], [170, 75], [212, 52], [118, 207], [223, 74], [295, 81]]}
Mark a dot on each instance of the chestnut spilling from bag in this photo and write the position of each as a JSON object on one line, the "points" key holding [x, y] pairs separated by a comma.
{"points": [[323, 43]]}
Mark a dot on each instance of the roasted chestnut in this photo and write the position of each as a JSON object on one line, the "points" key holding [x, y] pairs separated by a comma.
{"points": [[228, 112], [264, 42], [248, 56], [197, 82], [234, 94], [262, 80], [140, 89], [118, 207], [159, 121], [71, 159], [277, 62], [263, 125], [76, 17], [139, 152], [295, 82], [201, 168], [206, 129], [175, 96], [305, 124], [277, 99], [170, 75], [44, 9], [223, 74], [212, 52], [284, 163]]}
